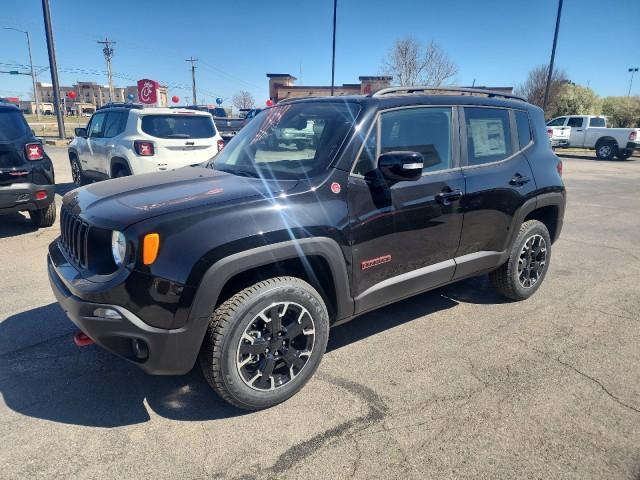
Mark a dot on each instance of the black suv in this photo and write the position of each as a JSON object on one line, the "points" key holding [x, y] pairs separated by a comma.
{"points": [[246, 261], [26, 172]]}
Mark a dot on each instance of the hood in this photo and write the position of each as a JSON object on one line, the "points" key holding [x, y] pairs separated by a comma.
{"points": [[118, 203]]}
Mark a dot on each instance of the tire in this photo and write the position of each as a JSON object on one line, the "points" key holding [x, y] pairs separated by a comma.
{"points": [[624, 154], [121, 171], [227, 356], [510, 280], [45, 217], [606, 150], [79, 178]]}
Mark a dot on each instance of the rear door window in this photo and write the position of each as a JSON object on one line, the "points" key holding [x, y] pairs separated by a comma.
{"points": [[12, 125], [575, 122], [178, 126], [597, 122], [488, 135], [115, 123]]}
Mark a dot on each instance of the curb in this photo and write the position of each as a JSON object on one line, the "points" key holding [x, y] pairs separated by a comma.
{"points": [[57, 142]]}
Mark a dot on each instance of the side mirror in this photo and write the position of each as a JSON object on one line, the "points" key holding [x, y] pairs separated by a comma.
{"points": [[401, 166], [81, 132]]}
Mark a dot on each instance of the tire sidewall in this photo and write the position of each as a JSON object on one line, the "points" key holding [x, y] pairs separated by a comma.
{"points": [[245, 315], [612, 151], [536, 228]]}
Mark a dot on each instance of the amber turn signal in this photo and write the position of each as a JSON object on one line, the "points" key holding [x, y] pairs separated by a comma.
{"points": [[150, 247]]}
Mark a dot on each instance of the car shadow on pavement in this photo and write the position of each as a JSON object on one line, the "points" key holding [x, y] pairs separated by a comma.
{"points": [[15, 224], [44, 375], [63, 188]]}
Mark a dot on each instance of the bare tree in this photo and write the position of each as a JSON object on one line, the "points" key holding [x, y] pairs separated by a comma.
{"points": [[412, 64], [243, 99], [533, 88]]}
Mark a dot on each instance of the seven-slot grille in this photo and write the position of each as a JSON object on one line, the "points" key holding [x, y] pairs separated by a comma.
{"points": [[73, 237]]}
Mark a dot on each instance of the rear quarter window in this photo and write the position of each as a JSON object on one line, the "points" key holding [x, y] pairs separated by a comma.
{"points": [[178, 126], [524, 128], [12, 125]]}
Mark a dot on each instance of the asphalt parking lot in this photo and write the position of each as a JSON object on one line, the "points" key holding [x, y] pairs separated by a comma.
{"points": [[455, 383]]}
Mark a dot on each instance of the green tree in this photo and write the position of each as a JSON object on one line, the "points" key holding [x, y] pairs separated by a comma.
{"points": [[576, 100], [622, 111]]}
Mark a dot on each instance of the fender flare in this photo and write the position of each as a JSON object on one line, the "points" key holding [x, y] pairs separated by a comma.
{"points": [[118, 160], [223, 270]]}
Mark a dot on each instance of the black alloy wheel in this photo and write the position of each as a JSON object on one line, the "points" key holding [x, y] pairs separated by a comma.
{"points": [[276, 346]]}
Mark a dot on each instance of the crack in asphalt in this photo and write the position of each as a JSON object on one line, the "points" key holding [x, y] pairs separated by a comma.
{"points": [[584, 375]]}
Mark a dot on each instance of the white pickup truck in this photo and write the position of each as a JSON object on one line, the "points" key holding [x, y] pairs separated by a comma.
{"points": [[589, 131]]}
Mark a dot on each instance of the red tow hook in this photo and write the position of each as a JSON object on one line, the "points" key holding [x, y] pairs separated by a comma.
{"points": [[81, 339]]}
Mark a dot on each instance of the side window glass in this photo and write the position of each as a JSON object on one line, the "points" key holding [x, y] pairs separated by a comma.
{"points": [[367, 160], [114, 125], [524, 128], [575, 122], [488, 135], [423, 130], [97, 124]]}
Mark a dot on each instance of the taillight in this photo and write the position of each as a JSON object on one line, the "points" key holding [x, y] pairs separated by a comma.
{"points": [[559, 167], [40, 195], [34, 151], [144, 149], [550, 132], [633, 135], [220, 145]]}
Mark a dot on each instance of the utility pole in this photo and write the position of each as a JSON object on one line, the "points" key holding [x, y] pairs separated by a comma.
{"points": [[108, 55], [53, 67], [193, 77], [333, 49], [33, 75], [632, 71], [553, 56]]}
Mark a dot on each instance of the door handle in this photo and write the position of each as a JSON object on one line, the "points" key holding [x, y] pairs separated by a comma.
{"points": [[579, 130], [448, 196], [519, 180]]}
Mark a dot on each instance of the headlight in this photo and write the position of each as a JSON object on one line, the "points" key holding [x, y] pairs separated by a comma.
{"points": [[118, 247]]}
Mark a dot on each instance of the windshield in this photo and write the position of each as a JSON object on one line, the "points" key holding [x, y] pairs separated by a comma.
{"points": [[12, 125], [178, 126], [289, 141]]}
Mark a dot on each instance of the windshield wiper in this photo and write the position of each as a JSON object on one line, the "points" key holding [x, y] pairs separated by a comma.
{"points": [[178, 135], [240, 173]]}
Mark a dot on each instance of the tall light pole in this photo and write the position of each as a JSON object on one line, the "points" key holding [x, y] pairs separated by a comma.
{"points": [[632, 71], [553, 56], [33, 75], [108, 55], [53, 67], [333, 49], [193, 77]]}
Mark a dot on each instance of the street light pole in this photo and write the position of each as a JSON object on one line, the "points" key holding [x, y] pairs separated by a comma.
{"points": [[33, 75], [632, 71], [333, 49], [553, 56], [193, 78], [51, 49]]}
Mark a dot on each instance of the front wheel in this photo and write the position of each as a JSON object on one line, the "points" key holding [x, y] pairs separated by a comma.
{"points": [[79, 179], [265, 342], [522, 274]]}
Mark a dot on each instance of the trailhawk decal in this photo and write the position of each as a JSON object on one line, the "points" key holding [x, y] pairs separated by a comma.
{"points": [[375, 261]]}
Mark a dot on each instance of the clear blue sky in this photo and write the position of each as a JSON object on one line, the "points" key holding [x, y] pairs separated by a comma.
{"points": [[239, 41]]}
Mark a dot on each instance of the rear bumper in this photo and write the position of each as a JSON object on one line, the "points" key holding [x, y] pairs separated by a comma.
{"points": [[165, 352], [19, 197], [633, 145], [559, 143]]}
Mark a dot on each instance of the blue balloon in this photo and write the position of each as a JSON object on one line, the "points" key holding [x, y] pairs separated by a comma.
{"points": [[131, 96], [219, 101]]}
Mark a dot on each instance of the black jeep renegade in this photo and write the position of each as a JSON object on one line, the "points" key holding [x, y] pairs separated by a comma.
{"points": [[244, 263]]}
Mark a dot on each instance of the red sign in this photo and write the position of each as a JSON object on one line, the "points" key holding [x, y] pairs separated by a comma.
{"points": [[148, 91]]}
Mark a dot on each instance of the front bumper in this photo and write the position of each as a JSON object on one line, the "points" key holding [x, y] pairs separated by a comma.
{"points": [[166, 352], [19, 197]]}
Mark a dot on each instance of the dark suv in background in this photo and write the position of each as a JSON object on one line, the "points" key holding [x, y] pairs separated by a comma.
{"points": [[26, 172], [247, 261]]}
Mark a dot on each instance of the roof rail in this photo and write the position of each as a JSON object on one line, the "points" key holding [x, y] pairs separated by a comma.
{"points": [[444, 90], [137, 106]]}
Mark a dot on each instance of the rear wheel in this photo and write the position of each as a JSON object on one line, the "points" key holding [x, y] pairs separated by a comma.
{"points": [[265, 342], [44, 217], [522, 274], [121, 171], [606, 150]]}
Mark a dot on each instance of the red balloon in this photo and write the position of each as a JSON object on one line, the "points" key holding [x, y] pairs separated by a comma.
{"points": [[269, 103], [72, 94], [175, 99]]}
